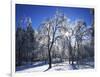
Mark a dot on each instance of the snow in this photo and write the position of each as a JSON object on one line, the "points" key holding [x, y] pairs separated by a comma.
{"points": [[63, 66], [55, 67], [35, 69]]}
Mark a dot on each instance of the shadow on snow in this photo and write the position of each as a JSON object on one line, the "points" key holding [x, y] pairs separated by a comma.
{"points": [[27, 66]]}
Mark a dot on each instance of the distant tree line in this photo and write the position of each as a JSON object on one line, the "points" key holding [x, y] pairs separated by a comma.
{"points": [[25, 42]]}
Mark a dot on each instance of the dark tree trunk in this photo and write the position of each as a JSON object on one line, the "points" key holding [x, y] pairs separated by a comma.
{"points": [[19, 58], [72, 60], [70, 53], [49, 59], [78, 54]]}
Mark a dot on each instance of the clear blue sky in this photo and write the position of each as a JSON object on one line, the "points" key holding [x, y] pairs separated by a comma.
{"points": [[38, 13]]}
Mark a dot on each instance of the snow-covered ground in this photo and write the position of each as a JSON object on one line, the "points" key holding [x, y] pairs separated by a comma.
{"points": [[42, 67]]}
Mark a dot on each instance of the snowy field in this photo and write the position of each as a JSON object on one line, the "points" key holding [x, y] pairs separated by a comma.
{"points": [[42, 67]]}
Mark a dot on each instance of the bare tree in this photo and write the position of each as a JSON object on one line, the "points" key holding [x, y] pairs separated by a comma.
{"points": [[81, 33], [49, 30]]}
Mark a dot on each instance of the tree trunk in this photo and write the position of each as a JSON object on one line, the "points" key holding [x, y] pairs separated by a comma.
{"points": [[70, 52], [72, 59], [78, 54], [49, 59], [19, 58]]}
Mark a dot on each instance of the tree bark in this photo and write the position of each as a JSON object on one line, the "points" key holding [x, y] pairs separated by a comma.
{"points": [[49, 59]]}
